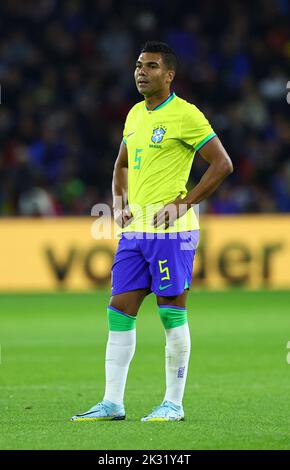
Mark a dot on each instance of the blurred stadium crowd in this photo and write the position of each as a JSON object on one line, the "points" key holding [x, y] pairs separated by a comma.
{"points": [[66, 74]]}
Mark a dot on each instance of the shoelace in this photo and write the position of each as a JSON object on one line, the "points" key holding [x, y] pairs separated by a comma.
{"points": [[165, 405], [98, 407]]}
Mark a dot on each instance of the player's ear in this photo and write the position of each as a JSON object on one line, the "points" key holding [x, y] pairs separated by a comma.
{"points": [[171, 75]]}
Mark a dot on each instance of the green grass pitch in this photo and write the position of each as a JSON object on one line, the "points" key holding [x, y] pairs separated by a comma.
{"points": [[238, 387]]}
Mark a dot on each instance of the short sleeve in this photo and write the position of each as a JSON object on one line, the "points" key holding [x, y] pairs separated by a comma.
{"points": [[195, 129], [125, 131], [129, 123]]}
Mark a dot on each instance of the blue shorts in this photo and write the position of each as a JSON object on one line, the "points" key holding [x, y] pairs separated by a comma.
{"points": [[164, 265]]}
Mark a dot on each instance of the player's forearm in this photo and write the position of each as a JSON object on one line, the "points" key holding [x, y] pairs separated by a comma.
{"points": [[209, 182], [120, 186]]}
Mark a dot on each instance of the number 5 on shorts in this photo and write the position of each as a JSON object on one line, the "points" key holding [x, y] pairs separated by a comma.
{"points": [[164, 269]]}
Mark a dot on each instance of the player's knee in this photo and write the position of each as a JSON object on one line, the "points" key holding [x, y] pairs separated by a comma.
{"points": [[174, 301], [127, 308], [164, 299]]}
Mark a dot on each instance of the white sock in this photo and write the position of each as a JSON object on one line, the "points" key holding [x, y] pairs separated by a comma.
{"points": [[177, 352], [119, 353]]}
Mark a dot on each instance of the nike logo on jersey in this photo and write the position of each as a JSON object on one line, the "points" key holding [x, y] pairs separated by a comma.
{"points": [[131, 133], [164, 287]]}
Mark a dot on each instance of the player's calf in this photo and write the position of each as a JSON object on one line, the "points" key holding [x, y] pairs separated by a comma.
{"points": [[120, 350]]}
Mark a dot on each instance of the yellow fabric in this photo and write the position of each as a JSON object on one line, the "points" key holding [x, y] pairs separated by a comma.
{"points": [[161, 145]]}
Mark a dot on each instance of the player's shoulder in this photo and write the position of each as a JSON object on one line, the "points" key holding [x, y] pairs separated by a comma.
{"points": [[186, 107], [135, 109], [189, 113]]}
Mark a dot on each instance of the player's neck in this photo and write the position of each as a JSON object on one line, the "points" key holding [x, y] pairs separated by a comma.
{"points": [[155, 100]]}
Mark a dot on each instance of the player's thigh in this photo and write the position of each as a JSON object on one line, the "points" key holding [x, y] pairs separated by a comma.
{"points": [[174, 301], [130, 271], [129, 302]]}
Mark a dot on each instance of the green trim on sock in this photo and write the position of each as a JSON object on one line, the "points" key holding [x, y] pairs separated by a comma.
{"points": [[172, 317], [119, 321]]}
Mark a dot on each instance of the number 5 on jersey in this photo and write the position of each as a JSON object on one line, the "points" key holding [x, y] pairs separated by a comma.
{"points": [[137, 159]]}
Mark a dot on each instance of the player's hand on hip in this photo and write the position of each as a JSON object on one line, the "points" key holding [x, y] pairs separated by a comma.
{"points": [[169, 213], [123, 217]]}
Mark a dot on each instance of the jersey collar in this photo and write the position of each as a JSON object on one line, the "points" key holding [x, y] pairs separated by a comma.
{"points": [[164, 103]]}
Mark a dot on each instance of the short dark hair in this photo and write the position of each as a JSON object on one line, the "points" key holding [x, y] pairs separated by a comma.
{"points": [[167, 53]]}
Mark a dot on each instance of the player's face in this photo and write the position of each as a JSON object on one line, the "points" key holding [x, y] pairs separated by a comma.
{"points": [[151, 74]]}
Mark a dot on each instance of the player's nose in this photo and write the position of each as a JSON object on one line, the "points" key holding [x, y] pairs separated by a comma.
{"points": [[142, 72]]}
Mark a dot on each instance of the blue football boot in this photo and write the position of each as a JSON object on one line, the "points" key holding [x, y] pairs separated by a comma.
{"points": [[103, 411]]}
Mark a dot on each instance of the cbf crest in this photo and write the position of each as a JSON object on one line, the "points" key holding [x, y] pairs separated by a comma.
{"points": [[158, 134]]}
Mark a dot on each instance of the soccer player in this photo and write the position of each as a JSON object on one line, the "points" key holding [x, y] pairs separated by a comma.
{"points": [[159, 228]]}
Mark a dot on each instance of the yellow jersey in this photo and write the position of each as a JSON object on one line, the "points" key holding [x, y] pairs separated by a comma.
{"points": [[161, 145]]}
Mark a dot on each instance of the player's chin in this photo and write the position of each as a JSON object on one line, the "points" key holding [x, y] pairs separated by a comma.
{"points": [[144, 89]]}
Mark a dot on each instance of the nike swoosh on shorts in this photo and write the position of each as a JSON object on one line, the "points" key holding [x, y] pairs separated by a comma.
{"points": [[164, 287]]}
